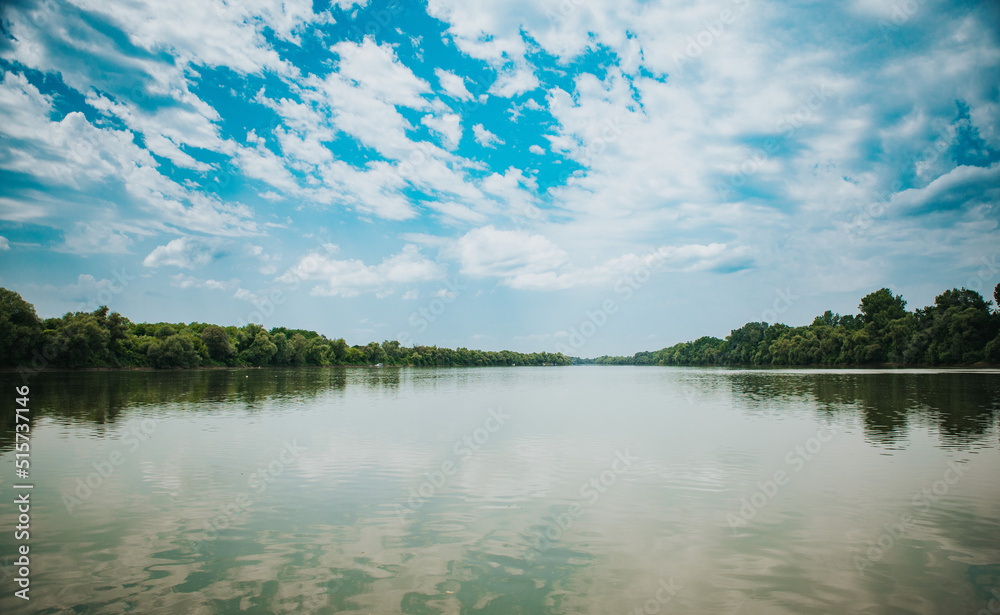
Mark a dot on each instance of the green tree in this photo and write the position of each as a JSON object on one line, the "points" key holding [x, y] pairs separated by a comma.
{"points": [[882, 307], [960, 327], [297, 349], [340, 351], [260, 351], [281, 354], [174, 351], [20, 329], [80, 339], [374, 353], [220, 347], [318, 352], [165, 331]]}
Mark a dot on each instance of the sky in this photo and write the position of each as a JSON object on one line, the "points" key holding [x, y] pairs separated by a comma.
{"points": [[592, 177]]}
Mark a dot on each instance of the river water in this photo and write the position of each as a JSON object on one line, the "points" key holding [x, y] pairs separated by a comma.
{"points": [[520, 490]]}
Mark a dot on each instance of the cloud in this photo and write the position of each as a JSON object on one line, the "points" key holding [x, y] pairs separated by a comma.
{"points": [[210, 33], [662, 135], [485, 137], [452, 84], [488, 251], [185, 281], [377, 71], [962, 187], [4, 244], [184, 252], [89, 293], [514, 83], [527, 261], [351, 277], [73, 154], [449, 126], [96, 239], [687, 258]]}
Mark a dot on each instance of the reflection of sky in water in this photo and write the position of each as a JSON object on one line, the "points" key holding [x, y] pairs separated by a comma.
{"points": [[333, 530]]}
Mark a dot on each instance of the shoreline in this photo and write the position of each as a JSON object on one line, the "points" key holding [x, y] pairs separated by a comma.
{"points": [[883, 366]]}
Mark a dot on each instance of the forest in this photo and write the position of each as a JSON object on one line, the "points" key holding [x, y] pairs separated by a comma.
{"points": [[108, 339], [961, 328]]}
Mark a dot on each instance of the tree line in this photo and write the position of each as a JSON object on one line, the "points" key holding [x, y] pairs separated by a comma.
{"points": [[960, 328], [108, 339]]}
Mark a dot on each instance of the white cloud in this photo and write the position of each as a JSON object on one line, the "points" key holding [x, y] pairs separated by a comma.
{"points": [[189, 122], [24, 209], [485, 137], [515, 82], [532, 262], [4, 244], [210, 33], [535, 149], [185, 281], [378, 72], [351, 277], [411, 295], [963, 187], [488, 251], [75, 154], [96, 238], [491, 30], [89, 292], [449, 126], [453, 84], [184, 252]]}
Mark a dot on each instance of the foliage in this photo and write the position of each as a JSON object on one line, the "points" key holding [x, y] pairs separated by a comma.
{"points": [[216, 340], [20, 328], [103, 339], [960, 328]]}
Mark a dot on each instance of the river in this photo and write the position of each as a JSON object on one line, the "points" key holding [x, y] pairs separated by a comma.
{"points": [[522, 490]]}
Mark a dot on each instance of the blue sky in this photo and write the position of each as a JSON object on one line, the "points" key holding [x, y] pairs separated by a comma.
{"points": [[595, 177]]}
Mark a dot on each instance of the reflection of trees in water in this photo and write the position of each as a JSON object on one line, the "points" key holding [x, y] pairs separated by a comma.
{"points": [[387, 378], [961, 405], [98, 397]]}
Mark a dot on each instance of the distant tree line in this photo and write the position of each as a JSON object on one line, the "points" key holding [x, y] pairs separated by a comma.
{"points": [[959, 329], [108, 339]]}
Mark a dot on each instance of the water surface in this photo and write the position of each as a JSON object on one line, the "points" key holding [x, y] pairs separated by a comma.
{"points": [[510, 490]]}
